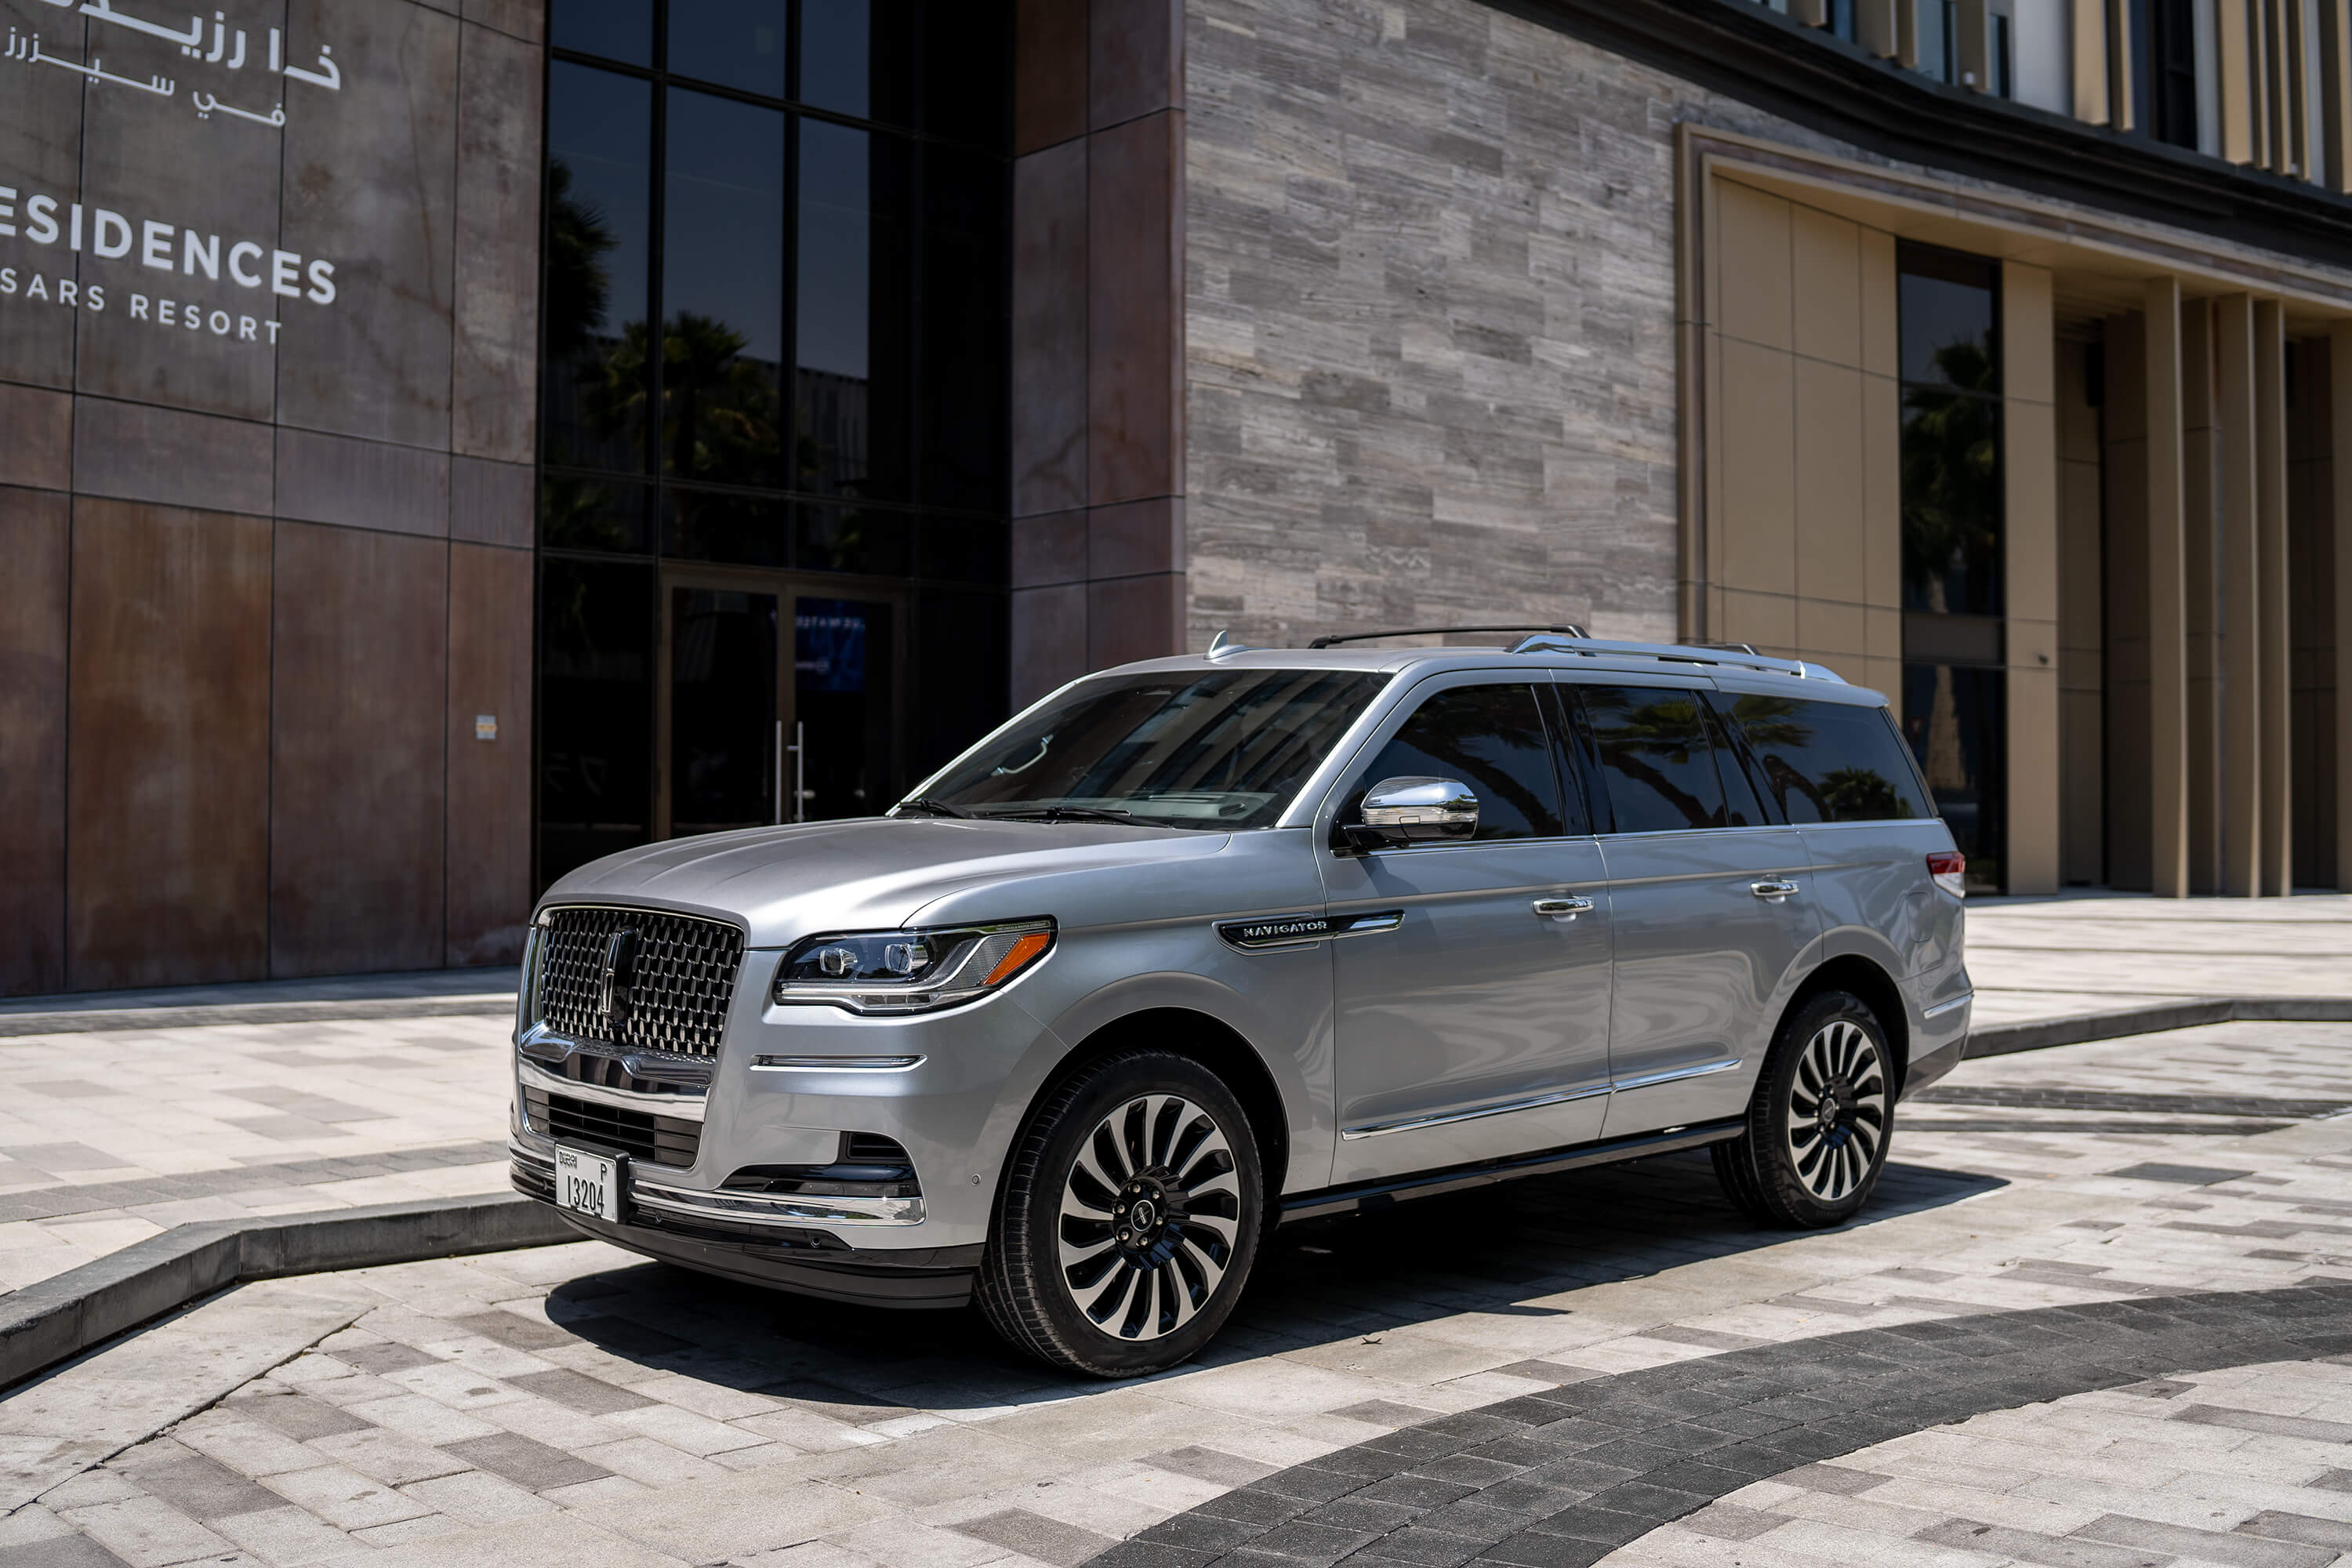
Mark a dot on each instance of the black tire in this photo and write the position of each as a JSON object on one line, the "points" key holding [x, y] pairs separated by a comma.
{"points": [[1821, 1118], [1138, 1301]]}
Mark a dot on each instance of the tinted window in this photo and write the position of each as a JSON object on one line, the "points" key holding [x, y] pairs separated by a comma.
{"points": [[1491, 738], [1656, 763], [1829, 761]]}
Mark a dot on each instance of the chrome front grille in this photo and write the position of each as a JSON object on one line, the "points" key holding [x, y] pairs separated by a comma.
{"points": [[682, 980]]}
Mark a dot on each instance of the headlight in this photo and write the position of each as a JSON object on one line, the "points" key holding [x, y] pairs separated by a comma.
{"points": [[912, 970]]}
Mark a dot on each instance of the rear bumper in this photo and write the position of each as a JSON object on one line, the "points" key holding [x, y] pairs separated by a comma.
{"points": [[805, 1262]]}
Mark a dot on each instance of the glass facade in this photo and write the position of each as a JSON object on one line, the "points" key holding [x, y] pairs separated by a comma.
{"points": [[1948, 324], [774, 380]]}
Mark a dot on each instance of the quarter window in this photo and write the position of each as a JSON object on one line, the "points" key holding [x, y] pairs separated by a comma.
{"points": [[1829, 761], [1491, 738]]}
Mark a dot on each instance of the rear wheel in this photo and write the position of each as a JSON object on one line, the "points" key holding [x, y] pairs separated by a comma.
{"points": [[1129, 1219], [1819, 1122]]}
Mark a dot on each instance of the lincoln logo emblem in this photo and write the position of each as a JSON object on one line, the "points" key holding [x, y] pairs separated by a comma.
{"points": [[619, 975]]}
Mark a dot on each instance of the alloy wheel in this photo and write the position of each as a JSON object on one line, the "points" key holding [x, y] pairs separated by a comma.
{"points": [[1149, 1212], [1837, 1111]]}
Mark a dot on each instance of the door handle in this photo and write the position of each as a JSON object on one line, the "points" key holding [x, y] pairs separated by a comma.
{"points": [[1566, 909], [1772, 891]]}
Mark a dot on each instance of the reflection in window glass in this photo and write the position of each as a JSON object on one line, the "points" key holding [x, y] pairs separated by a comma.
{"points": [[1951, 473], [595, 711], [1491, 738], [1953, 717], [611, 516], [721, 525], [617, 29], [1829, 761], [599, 202], [836, 55], [1655, 762], [853, 539], [851, 312], [1949, 315], [723, 292], [1218, 751], [736, 43], [964, 440]]}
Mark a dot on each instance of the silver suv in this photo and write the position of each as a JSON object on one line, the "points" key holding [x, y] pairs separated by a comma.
{"points": [[1198, 946]]}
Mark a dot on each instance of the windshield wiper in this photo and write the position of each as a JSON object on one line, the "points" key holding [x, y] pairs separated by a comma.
{"points": [[931, 807], [1066, 814]]}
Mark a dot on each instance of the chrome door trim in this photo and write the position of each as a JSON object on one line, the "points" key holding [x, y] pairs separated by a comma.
{"points": [[684, 1107], [1940, 1008], [1445, 1118], [1704, 1069]]}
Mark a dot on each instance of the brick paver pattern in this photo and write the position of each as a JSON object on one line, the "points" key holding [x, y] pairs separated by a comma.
{"points": [[575, 1405]]}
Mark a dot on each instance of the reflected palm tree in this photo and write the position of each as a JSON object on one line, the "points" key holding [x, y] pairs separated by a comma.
{"points": [[1667, 731]]}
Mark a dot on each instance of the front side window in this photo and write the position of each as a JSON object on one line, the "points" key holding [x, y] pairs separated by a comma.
{"points": [[1655, 760], [1829, 761], [1491, 738], [1223, 750]]}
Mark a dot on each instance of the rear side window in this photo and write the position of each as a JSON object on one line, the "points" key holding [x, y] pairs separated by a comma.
{"points": [[1655, 760], [1829, 761], [1491, 738]]}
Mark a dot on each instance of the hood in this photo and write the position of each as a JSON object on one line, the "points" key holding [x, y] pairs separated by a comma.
{"points": [[866, 873]]}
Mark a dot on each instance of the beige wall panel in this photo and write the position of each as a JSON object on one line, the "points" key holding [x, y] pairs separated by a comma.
{"points": [[1882, 492], [2168, 659], [1830, 524], [1879, 339], [2232, 80], [1834, 635], [2276, 686], [1883, 633], [2030, 463], [1757, 499], [1826, 285], [1768, 620], [1752, 252], [2233, 353], [2033, 771], [2026, 344]]}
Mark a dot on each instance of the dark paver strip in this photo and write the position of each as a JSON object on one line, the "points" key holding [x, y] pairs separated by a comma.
{"points": [[1586, 1468], [2057, 1099]]}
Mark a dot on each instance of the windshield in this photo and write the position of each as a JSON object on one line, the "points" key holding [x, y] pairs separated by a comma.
{"points": [[1219, 749]]}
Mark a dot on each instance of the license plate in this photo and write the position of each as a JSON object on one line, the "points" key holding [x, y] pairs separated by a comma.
{"points": [[588, 1183]]}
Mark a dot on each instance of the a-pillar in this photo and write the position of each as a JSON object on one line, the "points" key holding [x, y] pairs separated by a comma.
{"points": [[2167, 616], [2270, 629], [2240, 579]]}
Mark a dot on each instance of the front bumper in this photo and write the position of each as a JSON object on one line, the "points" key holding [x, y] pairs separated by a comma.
{"points": [[739, 1236]]}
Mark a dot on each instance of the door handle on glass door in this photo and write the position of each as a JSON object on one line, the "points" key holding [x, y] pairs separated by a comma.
{"points": [[1566, 909], [1772, 893]]}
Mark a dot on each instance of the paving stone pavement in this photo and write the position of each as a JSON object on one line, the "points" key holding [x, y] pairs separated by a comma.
{"points": [[577, 1404], [116, 1134], [109, 1137]]}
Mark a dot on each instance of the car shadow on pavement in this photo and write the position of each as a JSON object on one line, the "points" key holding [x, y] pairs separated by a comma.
{"points": [[1491, 1250]]}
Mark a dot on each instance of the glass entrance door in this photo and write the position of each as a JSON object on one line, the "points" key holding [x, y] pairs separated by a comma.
{"points": [[781, 700]]}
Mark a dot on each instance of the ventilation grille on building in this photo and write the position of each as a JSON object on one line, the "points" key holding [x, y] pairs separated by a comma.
{"points": [[682, 982]]}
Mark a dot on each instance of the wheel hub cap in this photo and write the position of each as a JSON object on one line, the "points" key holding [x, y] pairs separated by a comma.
{"points": [[1150, 1209], [1837, 1111]]}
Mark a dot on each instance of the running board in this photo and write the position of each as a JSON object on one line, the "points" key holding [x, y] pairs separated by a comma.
{"points": [[1367, 1195]]}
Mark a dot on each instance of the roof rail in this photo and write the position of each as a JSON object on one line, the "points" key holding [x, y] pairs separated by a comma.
{"points": [[1737, 655], [1565, 631]]}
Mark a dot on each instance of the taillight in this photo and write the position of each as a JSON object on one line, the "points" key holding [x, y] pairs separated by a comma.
{"points": [[1949, 867]]}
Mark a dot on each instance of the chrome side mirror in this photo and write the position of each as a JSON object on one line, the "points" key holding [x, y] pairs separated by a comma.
{"points": [[1414, 810]]}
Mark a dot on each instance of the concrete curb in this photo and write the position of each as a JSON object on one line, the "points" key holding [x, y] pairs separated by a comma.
{"points": [[89, 1020], [59, 1317], [2041, 1033]]}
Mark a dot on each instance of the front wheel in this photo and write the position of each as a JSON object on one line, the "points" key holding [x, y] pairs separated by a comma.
{"points": [[1819, 1122], [1129, 1219]]}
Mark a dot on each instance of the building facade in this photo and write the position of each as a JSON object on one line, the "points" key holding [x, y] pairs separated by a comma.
{"points": [[442, 441]]}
